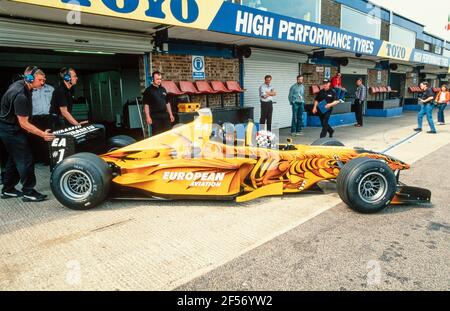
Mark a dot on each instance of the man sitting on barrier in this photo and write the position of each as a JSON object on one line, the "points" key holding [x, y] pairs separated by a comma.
{"points": [[336, 84]]}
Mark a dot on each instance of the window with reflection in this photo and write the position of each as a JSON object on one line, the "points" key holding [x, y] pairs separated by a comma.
{"points": [[360, 23], [446, 53], [303, 9], [402, 36]]}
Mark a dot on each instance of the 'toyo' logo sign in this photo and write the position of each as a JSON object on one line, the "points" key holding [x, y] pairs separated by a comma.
{"points": [[396, 51], [155, 8]]}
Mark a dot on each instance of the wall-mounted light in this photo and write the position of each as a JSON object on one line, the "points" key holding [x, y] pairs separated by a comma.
{"points": [[318, 54]]}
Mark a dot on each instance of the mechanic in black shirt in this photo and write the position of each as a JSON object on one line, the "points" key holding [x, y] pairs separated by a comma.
{"points": [[62, 100], [15, 111], [426, 101], [324, 102], [158, 112]]}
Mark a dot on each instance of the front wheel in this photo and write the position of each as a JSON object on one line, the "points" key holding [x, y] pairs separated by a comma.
{"points": [[366, 185], [81, 181]]}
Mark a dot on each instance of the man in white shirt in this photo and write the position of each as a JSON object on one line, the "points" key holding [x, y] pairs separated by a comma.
{"points": [[266, 94], [41, 118], [41, 100]]}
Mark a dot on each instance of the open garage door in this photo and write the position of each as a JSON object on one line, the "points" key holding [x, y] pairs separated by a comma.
{"points": [[38, 35], [284, 68], [400, 68], [107, 61], [357, 67]]}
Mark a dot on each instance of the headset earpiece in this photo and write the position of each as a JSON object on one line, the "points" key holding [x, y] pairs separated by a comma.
{"points": [[65, 72], [67, 78], [29, 78]]}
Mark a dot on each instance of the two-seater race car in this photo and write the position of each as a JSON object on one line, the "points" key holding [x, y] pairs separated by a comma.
{"points": [[200, 160]]}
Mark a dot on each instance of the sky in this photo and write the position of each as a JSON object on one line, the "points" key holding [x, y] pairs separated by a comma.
{"points": [[431, 13]]}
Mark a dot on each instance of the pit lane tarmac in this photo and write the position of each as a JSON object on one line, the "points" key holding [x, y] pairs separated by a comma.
{"points": [[162, 245]]}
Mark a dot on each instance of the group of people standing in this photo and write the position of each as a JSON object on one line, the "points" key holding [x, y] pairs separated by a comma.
{"points": [[331, 94], [31, 109], [428, 100]]}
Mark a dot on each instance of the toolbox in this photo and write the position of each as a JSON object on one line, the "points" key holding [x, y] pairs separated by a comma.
{"points": [[188, 107]]}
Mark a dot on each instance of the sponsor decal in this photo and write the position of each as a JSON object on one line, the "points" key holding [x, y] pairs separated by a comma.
{"points": [[59, 142], [76, 130], [198, 179]]}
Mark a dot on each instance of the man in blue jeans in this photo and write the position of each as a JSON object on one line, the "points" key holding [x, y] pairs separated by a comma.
{"points": [[426, 101], [297, 101]]}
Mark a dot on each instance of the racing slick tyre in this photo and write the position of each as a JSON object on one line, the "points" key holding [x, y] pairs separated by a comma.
{"points": [[119, 141], [327, 142], [366, 185], [81, 181]]}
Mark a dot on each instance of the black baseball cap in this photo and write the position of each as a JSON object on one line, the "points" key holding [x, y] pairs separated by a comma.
{"points": [[326, 80]]}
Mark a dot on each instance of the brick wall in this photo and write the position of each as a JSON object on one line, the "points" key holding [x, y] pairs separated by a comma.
{"points": [[179, 67], [412, 79], [311, 77], [372, 80], [331, 13]]}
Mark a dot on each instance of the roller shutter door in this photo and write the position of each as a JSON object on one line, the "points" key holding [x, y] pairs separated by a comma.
{"points": [[403, 69], [37, 35], [357, 67], [430, 76], [284, 68]]}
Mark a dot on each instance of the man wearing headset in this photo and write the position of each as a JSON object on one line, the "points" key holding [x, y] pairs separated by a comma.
{"points": [[15, 111], [62, 100]]}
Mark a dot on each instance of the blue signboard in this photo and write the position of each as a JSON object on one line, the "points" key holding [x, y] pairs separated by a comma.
{"points": [[251, 22], [198, 67]]}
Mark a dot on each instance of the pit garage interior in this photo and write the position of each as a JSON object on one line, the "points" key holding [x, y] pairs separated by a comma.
{"points": [[108, 70]]}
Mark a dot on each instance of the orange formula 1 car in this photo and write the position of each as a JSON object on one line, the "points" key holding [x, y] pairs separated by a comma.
{"points": [[204, 161]]}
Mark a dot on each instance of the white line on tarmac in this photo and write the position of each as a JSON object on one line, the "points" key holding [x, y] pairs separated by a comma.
{"points": [[401, 142], [411, 154]]}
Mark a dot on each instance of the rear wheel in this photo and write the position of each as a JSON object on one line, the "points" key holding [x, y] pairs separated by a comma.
{"points": [[81, 181], [327, 142], [366, 185], [119, 141]]}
